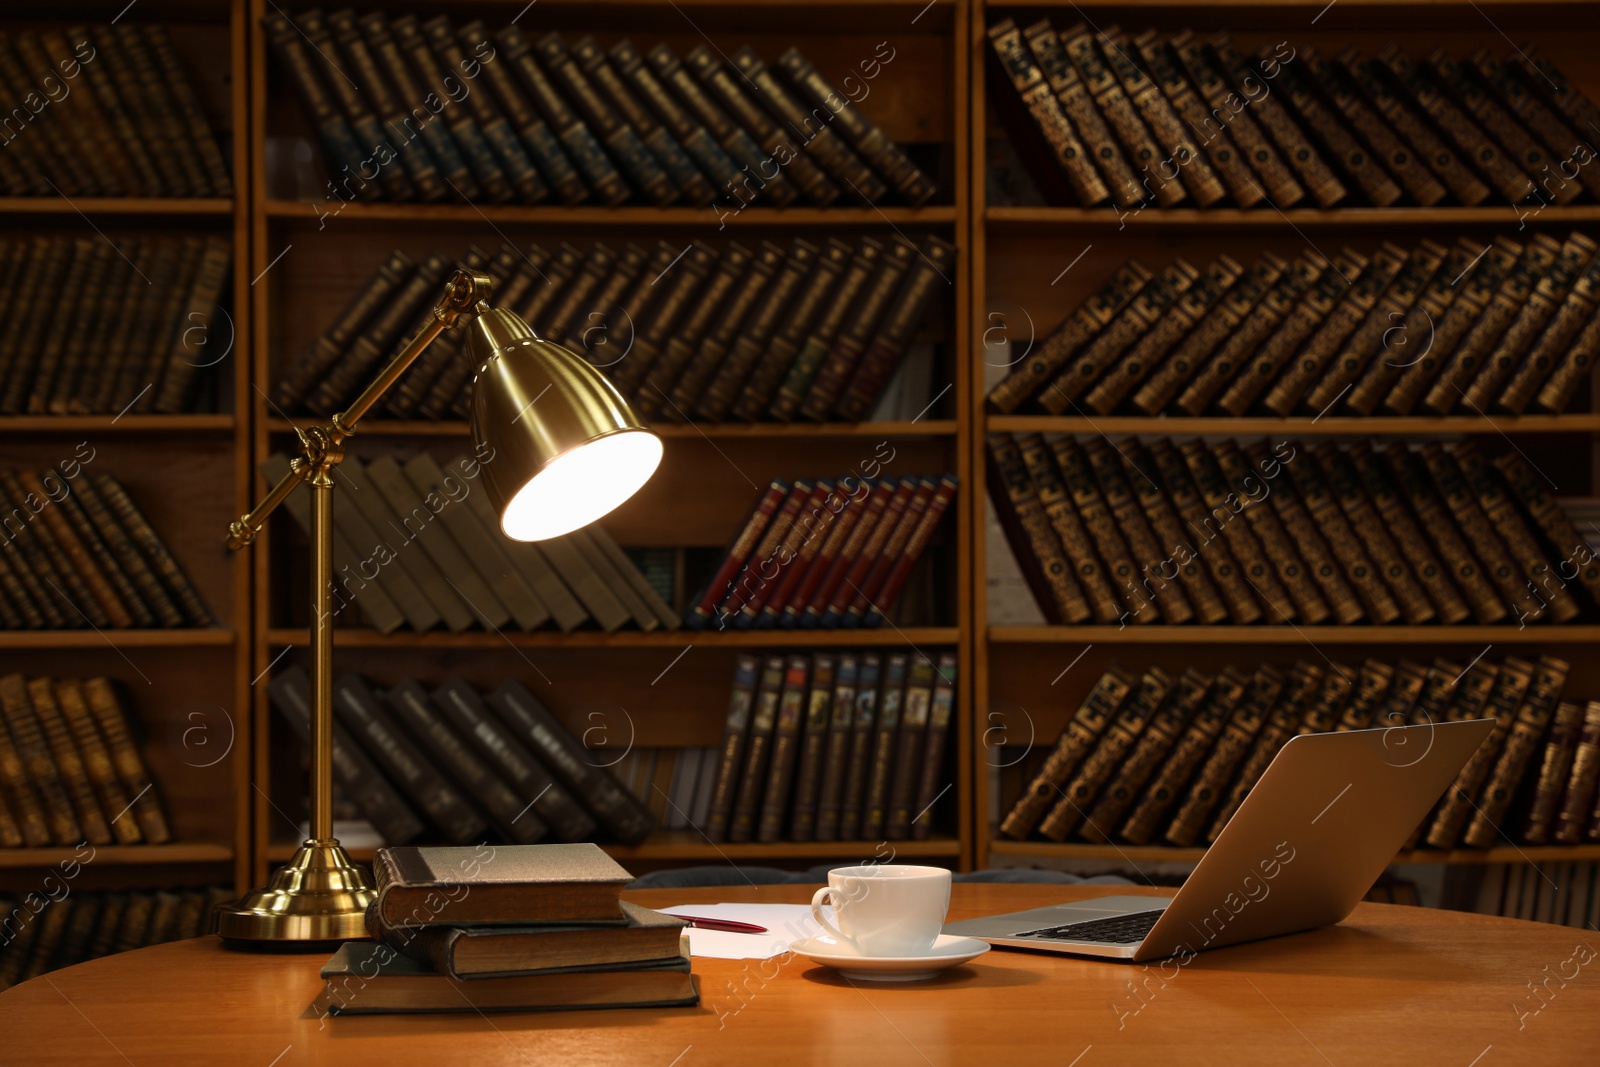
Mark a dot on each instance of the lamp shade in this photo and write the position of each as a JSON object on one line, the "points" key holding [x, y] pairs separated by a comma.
{"points": [[559, 446]]}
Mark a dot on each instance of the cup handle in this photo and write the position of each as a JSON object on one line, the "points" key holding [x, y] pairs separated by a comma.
{"points": [[817, 900]]}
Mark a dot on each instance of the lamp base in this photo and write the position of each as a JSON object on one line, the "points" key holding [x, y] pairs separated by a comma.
{"points": [[319, 895]]}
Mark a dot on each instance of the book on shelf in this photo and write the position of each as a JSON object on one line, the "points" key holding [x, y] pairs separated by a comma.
{"points": [[127, 123], [72, 770], [1203, 121], [520, 117], [90, 924], [1336, 534], [1146, 759], [448, 762]]}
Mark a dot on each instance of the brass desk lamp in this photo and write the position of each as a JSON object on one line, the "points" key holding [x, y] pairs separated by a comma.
{"points": [[566, 449]]}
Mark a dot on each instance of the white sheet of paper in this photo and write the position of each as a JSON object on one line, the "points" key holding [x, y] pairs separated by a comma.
{"points": [[785, 923]]}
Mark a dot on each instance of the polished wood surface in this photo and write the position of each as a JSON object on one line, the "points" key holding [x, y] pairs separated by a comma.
{"points": [[1390, 985]]}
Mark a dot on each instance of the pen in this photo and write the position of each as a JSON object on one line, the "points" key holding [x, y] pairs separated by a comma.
{"points": [[730, 925]]}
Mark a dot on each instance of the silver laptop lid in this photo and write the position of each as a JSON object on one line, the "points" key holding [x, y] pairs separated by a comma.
{"points": [[1313, 835]]}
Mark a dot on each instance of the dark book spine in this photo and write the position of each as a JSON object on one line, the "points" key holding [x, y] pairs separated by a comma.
{"points": [[1395, 344], [188, 352], [419, 122], [863, 727], [785, 749], [818, 714], [92, 818], [1501, 510], [1230, 113], [1521, 152], [1376, 186], [541, 143], [189, 111], [1046, 109], [147, 180], [758, 752], [660, 320], [713, 302], [1307, 163], [1557, 527], [27, 735], [874, 611], [1465, 309], [1175, 560], [1113, 748], [1081, 733], [1347, 547], [1555, 769], [1521, 743], [867, 264], [162, 111], [1108, 96], [1482, 590], [1035, 543], [1395, 517], [1232, 746], [1088, 532], [1416, 605], [880, 764], [1566, 344], [389, 178], [689, 390], [737, 555], [312, 364], [1414, 129], [730, 756], [932, 783], [908, 754], [696, 140], [1165, 727], [1282, 724], [836, 747], [1398, 158], [1453, 812], [1467, 138], [1231, 166], [1164, 465], [580, 143], [1572, 817], [848, 349], [97, 764], [1197, 176], [1190, 748]]}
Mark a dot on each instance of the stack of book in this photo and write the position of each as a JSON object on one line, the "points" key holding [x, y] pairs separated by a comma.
{"points": [[1508, 326], [83, 555], [423, 549], [687, 332], [71, 772], [1148, 121], [104, 111], [509, 928], [456, 764], [1144, 533], [45, 935], [97, 328], [833, 747], [1149, 757], [437, 112], [825, 553]]}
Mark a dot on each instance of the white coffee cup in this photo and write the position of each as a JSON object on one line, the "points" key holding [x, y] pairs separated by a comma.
{"points": [[890, 909]]}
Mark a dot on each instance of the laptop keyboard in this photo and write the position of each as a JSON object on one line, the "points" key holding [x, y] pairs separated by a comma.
{"points": [[1118, 930]]}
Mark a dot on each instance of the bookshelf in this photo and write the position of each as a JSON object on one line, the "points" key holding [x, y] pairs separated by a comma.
{"points": [[311, 256], [187, 688], [1031, 264]]}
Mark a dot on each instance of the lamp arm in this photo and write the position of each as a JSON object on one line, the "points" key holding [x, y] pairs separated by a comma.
{"points": [[323, 446]]}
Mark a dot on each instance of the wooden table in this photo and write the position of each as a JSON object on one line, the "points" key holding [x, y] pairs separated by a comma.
{"points": [[1390, 985]]}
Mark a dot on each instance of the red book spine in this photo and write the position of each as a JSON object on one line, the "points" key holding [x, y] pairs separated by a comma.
{"points": [[790, 607], [836, 503], [722, 581], [884, 561], [754, 575], [807, 525], [811, 611], [884, 598], [861, 563]]}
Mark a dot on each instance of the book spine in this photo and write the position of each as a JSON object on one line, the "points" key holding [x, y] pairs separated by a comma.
{"points": [[1552, 521], [857, 290], [1162, 732], [1221, 510], [863, 728], [910, 305], [695, 138], [876, 550], [1373, 78], [772, 367], [101, 581], [785, 749], [836, 748], [1480, 588], [1347, 547], [803, 806], [1175, 559], [187, 355], [825, 525], [1572, 817], [1035, 544], [182, 165], [1394, 349], [541, 143], [1082, 731], [1046, 110], [1463, 314], [1465, 136], [1395, 156], [837, 558], [1188, 751], [1521, 153], [97, 764], [908, 753], [1555, 769], [1449, 819], [1231, 167], [1375, 184], [662, 317], [1123, 595], [1039, 367], [899, 552], [1069, 526], [1229, 112], [1527, 730], [30, 743], [689, 390], [914, 187], [1113, 748], [1114, 105], [1169, 469], [758, 751], [731, 753], [189, 111], [1557, 345], [712, 302], [1232, 745], [1197, 177], [1395, 517], [1345, 484], [880, 764], [932, 770], [1073, 96]]}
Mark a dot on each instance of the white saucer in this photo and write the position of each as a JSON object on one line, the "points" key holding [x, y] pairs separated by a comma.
{"points": [[948, 951]]}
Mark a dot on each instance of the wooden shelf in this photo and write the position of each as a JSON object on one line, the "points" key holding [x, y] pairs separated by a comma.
{"points": [[1306, 426], [690, 846], [115, 205], [885, 636], [118, 855], [1164, 854], [176, 638], [1030, 220], [633, 217], [1162, 634], [117, 424], [716, 430]]}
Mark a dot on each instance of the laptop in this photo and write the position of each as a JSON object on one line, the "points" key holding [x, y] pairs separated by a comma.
{"points": [[1308, 842]]}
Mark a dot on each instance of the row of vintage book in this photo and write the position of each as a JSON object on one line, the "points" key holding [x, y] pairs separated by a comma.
{"points": [[1156, 121], [71, 770], [105, 111], [1393, 333], [103, 328], [824, 553], [462, 766], [1567, 894], [1142, 533], [833, 747], [45, 931], [507, 928], [687, 332], [1152, 758], [435, 112], [84, 555], [418, 545]]}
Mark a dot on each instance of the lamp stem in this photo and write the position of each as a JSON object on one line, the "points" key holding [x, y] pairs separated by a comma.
{"points": [[321, 485]]}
